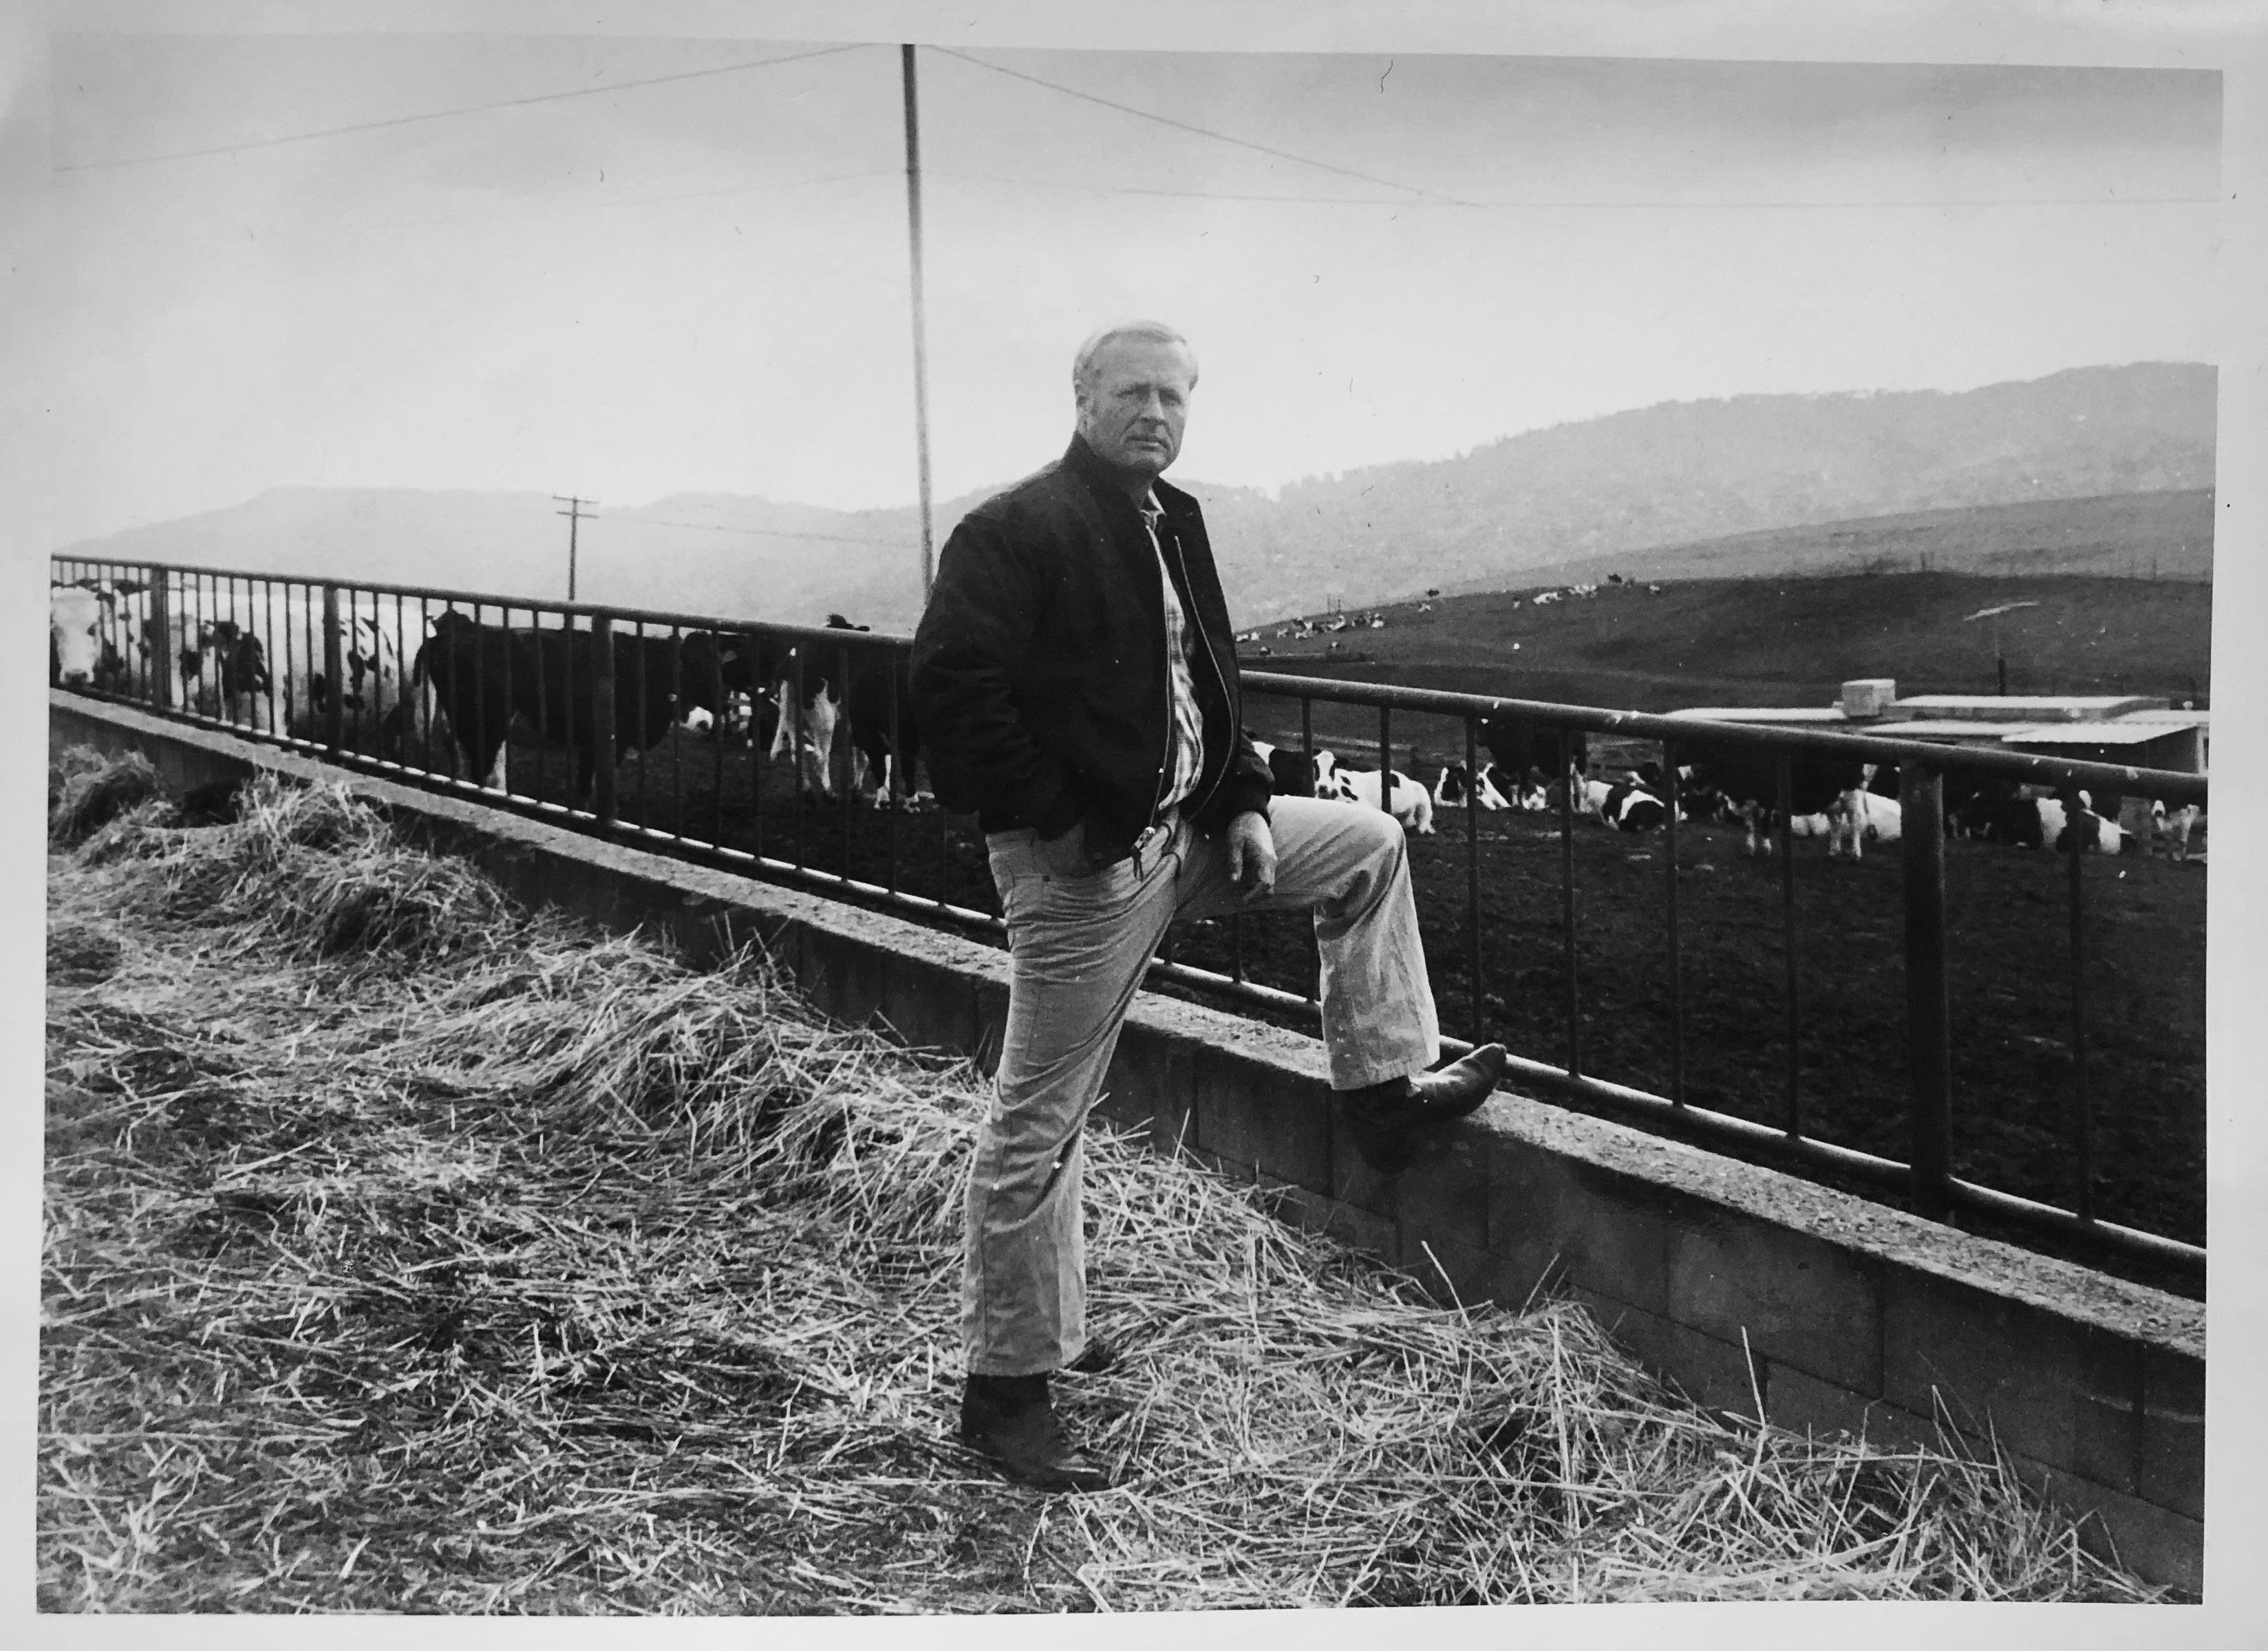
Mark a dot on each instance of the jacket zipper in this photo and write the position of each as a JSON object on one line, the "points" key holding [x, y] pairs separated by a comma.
{"points": [[1199, 794], [1165, 674]]}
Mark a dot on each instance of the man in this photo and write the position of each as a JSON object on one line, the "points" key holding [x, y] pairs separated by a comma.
{"points": [[1075, 687]]}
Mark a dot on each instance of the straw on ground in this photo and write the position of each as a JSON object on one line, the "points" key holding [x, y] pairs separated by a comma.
{"points": [[405, 1251]]}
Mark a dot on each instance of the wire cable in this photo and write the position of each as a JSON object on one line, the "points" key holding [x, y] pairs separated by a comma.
{"points": [[1201, 131], [1938, 203], [471, 108]]}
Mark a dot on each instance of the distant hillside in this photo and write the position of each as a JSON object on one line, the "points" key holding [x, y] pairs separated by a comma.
{"points": [[2129, 535], [1788, 641], [1701, 474], [1693, 471]]}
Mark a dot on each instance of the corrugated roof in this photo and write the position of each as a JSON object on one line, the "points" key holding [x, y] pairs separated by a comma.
{"points": [[2171, 719], [2036, 704], [2122, 732]]}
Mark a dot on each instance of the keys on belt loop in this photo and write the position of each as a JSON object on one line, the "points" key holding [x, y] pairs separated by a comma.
{"points": [[1152, 842]]}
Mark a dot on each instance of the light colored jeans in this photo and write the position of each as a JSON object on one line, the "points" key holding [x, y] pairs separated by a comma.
{"points": [[1078, 946]]}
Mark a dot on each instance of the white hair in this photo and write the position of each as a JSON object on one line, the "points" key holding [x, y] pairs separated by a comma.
{"points": [[1082, 365]]}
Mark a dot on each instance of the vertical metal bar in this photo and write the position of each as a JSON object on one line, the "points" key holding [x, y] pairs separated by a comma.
{"points": [[1385, 759], [2082, 1101], [293, 603], [1929, 1019], [543, 708], [1473, 878], [1567, 902], [1676, 970], [426, 699], [193, 624], [160, 639], [638, 675], [1314, 985], [220, 661], [481, 701], [403, 666], [677, 732], [333, 713], [1795, 1125], [602, 716], [793, 708], [349, 645], [900, 782], [716, 721], [757, 686], [850, 746], [247, 639]]}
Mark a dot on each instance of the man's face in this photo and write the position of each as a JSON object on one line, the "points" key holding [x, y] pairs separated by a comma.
{"points": [[1135, 402]]}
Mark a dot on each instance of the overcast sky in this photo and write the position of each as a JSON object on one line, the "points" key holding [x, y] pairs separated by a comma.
{"points": [[702, 284]]}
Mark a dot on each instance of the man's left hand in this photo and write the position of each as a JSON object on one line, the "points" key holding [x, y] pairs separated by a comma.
{"points": [[1252, 855]]}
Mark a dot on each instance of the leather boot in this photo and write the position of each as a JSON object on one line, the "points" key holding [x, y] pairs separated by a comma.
{"points": [[1099, 1357], [1387, 1119], [1009, 1420]]}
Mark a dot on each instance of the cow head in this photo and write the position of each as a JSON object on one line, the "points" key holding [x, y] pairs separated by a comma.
{"points": [[74, 634]]}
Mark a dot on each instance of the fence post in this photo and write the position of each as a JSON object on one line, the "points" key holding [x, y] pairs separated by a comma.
{"points": [[334, 673], [161, 665], [1929, 1041], [602, 716]]}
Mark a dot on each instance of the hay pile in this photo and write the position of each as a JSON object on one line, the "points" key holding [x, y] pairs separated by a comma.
{"points": [[406, 1252]]}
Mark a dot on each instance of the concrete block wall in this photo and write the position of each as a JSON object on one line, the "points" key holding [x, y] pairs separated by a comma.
{"points": [[1738, 1283]]}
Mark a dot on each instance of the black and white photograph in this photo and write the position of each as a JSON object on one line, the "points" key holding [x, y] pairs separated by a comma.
{"points": [[877, 811]]}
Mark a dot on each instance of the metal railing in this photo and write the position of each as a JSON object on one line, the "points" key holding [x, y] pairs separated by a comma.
{"points": [[379, 677]]}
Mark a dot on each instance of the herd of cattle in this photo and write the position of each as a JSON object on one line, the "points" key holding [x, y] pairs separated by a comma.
{"points": [[465, 684], [1534, 769], [422, 686]]}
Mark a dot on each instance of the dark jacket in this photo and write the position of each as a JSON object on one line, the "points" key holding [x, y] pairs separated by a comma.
{"points": [[1039, 669]]}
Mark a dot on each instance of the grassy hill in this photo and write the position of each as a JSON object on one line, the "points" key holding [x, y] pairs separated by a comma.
{"points": [[2165, 535], [1789, 641], [1686, 473]]}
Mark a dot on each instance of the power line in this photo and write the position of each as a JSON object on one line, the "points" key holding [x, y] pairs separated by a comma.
{"points": [[471, 108], [574, 515], [1926, 204], [1201, 131], [762, 532]]}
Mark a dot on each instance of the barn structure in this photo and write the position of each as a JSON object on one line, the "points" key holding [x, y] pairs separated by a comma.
{"points": [[2131, 730]]}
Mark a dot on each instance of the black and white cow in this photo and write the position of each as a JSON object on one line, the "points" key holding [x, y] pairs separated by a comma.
{"points": [[1289, 773], [1411, 804], [1531, 752], [1459, 785], [2171, 830], [2066, 823], [1624, 804], [1742, 782]]}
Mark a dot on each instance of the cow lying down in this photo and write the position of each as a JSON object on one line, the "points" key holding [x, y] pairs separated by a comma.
{"points": [[1495, 787], [1410, 803], [1322, 777]]}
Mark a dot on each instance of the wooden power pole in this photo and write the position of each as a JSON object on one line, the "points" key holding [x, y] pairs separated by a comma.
{"points": [[921, 342], [574, 512]]}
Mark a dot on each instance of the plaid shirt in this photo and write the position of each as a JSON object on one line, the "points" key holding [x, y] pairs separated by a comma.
{"points": [[1188, 740]]}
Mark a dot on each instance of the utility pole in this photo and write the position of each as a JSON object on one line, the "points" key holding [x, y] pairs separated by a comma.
{"points": [[921, 342], [574, 515]]}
